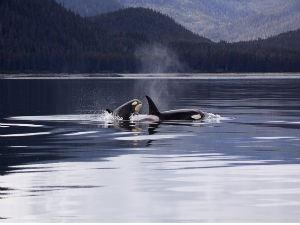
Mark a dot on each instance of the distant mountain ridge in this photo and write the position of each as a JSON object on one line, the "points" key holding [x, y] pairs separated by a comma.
{"points": [[229, 20], [262, 24]]}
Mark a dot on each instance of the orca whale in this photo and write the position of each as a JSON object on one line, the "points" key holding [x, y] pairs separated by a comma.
{"points": [[127, 109], [179, 114]]}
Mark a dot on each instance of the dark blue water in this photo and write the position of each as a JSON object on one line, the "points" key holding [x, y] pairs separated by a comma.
{"points": [[63, 160]]}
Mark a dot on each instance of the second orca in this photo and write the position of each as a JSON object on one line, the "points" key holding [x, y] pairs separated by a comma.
{"points": [[126, 110]]}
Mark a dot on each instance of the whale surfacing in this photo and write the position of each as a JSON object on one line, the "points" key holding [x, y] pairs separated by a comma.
{"points": [[127, 109]]}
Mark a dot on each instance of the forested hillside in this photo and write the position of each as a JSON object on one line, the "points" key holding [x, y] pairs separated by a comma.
{"points": [[149, 24], [41, 36], [288, 40], [91, 7]]}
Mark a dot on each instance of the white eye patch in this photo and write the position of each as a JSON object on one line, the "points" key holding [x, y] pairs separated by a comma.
{"points": [[138, 107], [134, 103], [196, 116]]}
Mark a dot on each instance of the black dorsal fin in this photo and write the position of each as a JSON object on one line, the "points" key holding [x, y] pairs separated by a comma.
{"points": [[152, 107]]}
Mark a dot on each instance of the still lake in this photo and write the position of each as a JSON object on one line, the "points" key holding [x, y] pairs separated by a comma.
{"points": [[63, 160]]}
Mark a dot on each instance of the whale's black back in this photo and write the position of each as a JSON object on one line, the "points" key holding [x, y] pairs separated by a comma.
{"points": [[180, 114]]}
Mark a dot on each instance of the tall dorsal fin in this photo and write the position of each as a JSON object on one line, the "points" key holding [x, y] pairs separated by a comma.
{"points": [[152, 107]]}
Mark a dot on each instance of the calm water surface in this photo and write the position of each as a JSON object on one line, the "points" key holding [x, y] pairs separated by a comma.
{"points": [[63, 160]]}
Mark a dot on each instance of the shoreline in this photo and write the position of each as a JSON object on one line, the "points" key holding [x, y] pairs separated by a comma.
{"points": [[154, 76]]}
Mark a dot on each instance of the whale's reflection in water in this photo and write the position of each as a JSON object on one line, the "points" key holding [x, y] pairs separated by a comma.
{"points": [[91, 126]]}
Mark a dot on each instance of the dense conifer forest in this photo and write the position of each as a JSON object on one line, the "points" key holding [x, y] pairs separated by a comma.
{"points": [[151, 25], [91, 7], [41, 36]]}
